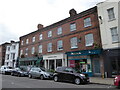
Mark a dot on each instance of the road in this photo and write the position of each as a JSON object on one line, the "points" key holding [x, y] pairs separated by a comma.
{"points": [[9, 81]]}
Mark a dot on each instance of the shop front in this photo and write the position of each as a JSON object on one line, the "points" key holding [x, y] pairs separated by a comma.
{"points": [[85, 61], [112, 62], [28, 61], [53, 61]]}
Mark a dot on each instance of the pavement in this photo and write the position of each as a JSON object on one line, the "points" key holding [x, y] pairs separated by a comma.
{"points": [[99, 80]]}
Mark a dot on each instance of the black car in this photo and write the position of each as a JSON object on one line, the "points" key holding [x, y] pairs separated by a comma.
{"points": [[71, 75], [19, 72]]}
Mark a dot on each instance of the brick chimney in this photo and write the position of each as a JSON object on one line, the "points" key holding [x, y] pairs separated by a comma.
{"points": [[72, 12], [40, 26]]}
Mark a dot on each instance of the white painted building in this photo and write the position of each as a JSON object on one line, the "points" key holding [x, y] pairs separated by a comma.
{"points": [[52, 61], [11, 55], [109, 19]]}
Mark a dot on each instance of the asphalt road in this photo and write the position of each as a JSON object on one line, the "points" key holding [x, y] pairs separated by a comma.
{"points": [[9, 81]]}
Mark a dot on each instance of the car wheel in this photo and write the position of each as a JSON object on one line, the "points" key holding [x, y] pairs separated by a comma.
{"points": [[30, 76], [77, 81], [19, 75], [56, 78], [41, 77]]}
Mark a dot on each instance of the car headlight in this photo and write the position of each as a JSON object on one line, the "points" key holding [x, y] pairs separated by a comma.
{"points": [[82, 75]]}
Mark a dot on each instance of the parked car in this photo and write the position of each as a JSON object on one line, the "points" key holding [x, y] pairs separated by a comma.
{"points": [[41, 73], [6, 69], [117, 81], [70, 74], [19, 72]]}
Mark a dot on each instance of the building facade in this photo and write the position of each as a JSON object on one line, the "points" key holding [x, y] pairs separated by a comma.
{"points": [[108, 14], [2, 53], [74, 42], [11, 55]]}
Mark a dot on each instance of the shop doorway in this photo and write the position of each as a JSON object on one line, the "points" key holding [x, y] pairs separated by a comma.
{"points": [[51, 64]]}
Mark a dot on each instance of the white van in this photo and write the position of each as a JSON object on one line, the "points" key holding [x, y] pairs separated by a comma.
{"points": [[6, 69]]}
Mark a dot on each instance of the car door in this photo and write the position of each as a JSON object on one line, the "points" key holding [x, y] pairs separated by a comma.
{"points": [[37, 73], [69, 75]]}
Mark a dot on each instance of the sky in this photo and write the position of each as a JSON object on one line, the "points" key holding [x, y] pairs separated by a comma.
{"points": [[20, 17]]}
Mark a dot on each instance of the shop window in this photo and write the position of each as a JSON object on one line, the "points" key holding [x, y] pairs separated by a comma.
{"points": [[58, 62]]}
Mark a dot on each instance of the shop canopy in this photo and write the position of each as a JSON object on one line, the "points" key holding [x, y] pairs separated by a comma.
{"points": [[84, 52], [38, 61]]}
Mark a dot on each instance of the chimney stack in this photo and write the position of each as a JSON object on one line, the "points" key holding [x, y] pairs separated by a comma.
{"points": [[72, 12], [40, 26]]}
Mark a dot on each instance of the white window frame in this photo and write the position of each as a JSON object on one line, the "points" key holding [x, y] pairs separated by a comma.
{"points": [[74, 42], [41, 36], [27, 41], [49, 33], [33, 50], [59, 45], [49, 47], [59, 30], [33, 39], [26, 51], [111, 14], [87, 22], [40, 49], [72, 26], [114, 35], [89, 39]]}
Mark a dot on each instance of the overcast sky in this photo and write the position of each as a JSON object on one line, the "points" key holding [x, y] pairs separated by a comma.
{"points": [[20, 17]]}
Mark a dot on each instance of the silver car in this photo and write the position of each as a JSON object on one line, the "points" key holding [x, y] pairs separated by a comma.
{"points": [[40, 72]]}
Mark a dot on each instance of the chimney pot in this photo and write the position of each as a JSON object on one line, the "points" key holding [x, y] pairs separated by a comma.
{"points": [[40, 26]]}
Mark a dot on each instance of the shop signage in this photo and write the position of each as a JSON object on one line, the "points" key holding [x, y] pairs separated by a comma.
{"points": [[84, 52]]}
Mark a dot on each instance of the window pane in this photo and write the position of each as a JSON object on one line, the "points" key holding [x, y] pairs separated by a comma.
{"points": [[33, 50], [40, 49], [49, 49], [114, 34], [33, 39], [59, 30], [72, 27], [87, 22], [41, 36], [74, 42], [89, 39], [60, 45], [111, 13], [50, 34]]}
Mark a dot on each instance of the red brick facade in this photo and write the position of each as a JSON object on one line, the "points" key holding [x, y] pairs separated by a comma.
{"points": [[80, 33]]}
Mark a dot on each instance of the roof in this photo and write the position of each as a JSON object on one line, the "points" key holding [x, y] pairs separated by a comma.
{"points": [[66, 20]]}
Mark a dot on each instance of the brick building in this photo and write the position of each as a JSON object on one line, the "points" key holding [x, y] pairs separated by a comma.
{"points": [[2, 53], [74, 42]]}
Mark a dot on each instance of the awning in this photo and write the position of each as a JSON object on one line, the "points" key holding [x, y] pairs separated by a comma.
{"points": [[84, 52], [38, 61]]}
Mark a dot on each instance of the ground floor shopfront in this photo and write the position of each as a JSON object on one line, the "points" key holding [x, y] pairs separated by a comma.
{"points": [[52, 61], [87, 61], [34, 61], [112, 62]]}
